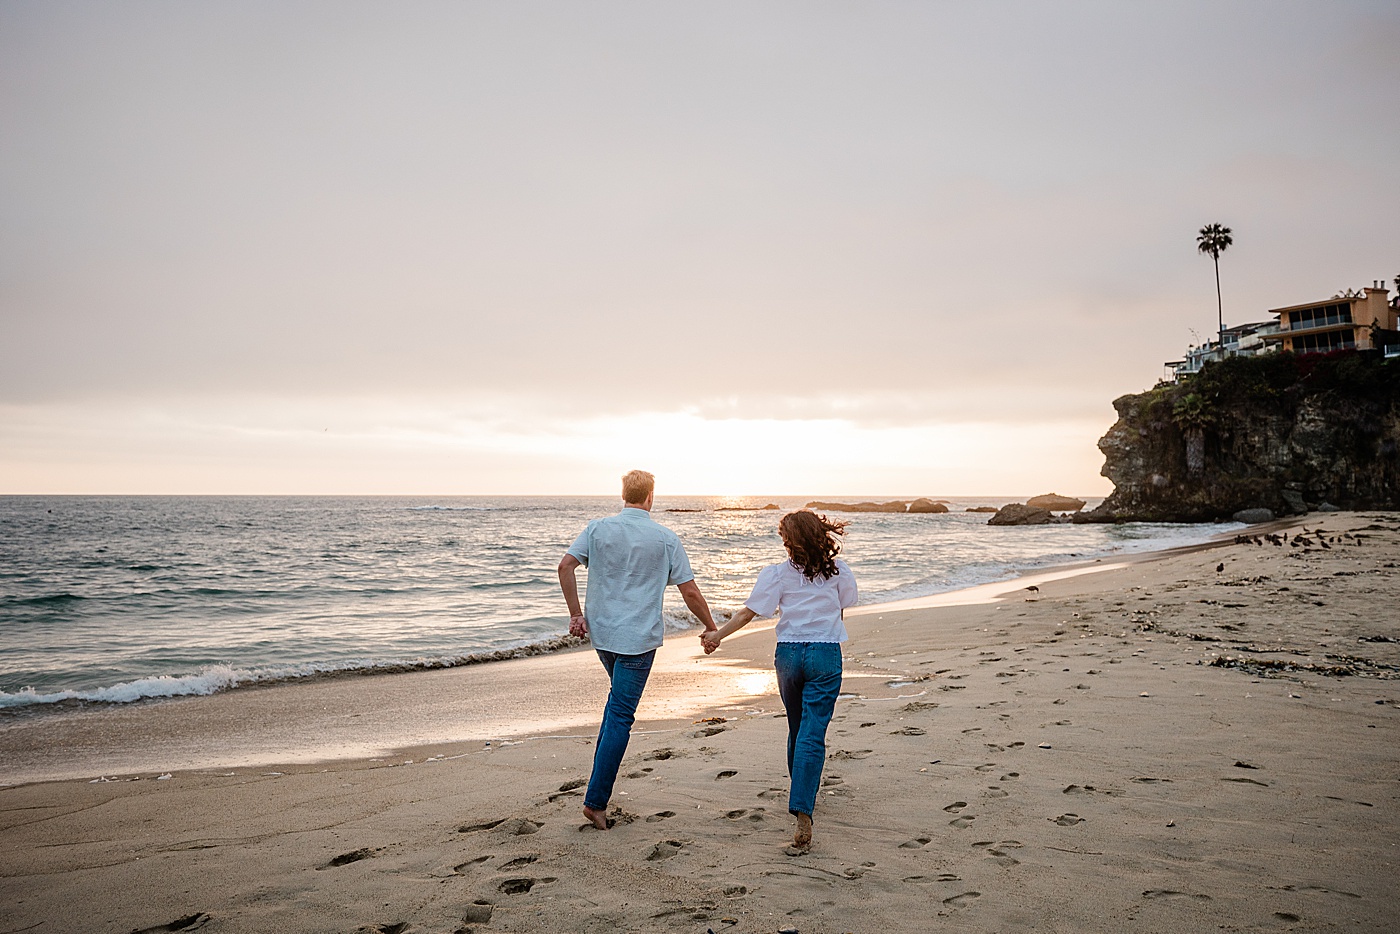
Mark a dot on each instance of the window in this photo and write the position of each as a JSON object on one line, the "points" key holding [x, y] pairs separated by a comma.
{"points": [[1321, 316], [1324, 342]]}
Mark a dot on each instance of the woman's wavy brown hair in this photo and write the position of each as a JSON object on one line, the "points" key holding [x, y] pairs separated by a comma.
{"points": [[811, 542]]}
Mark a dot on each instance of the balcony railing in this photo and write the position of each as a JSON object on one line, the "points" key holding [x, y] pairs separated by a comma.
{"points": [[1331, 322]]}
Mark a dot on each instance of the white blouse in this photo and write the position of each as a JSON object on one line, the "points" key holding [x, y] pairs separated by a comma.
{"points": [[810, 609]]}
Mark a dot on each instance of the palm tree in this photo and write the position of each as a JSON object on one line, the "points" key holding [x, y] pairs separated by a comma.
{"points": [[1213, 240]]}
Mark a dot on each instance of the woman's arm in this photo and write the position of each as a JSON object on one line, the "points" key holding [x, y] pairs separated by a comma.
{"points": [[736, 622]]}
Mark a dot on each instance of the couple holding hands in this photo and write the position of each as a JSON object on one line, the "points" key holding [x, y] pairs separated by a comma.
{"points": [[632, 559]]}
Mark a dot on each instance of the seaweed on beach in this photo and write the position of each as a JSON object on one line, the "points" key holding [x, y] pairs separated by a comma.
{"points": [[1349, 666]]}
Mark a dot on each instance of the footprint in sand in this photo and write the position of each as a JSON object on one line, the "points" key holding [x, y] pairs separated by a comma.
{"points": [[962, 823], [1316, 890], [461, 867], [659, 755], [755, 815], [484, 825], [909, 731], [916, 843], [955, 807], [915, 706], [846, 754], [665, 850], [521, 886], [973, 729], [727, 773], [735, 891], [345, 859], [1150, 781], [518, 827], [187, 923], [1010, 776], [569, 789], [1067, 820], [995, 792], [996, 852], [959, 901], [772, 793], [520, 861], [870, 723], [1173, 893], [708, 731], [659, 815]]}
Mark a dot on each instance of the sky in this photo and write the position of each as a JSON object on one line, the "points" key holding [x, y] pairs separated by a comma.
{"points": [[879, 248]]}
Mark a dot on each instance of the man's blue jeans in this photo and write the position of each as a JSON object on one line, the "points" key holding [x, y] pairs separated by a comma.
{"points": [[809, 678], [629, 676]]}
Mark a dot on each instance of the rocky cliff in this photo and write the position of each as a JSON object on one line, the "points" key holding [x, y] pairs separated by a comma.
{"points": [[1280, 431]]}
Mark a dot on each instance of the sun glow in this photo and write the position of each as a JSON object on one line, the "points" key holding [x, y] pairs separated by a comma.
{"points": [[397, 446]]}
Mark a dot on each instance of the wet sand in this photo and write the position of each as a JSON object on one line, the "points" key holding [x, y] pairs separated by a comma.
{"points": [[1157, 747]]}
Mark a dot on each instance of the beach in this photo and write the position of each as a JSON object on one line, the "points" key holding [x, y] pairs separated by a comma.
{"points": [[1206, 739]]}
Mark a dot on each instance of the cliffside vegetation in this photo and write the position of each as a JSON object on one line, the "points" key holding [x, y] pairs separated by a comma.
{"points": [[1282, 431]]}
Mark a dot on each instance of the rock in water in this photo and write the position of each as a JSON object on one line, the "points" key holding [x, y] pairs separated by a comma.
{"points": [[897, 505], [1253, 516], [1056, 503], [1020, 514], [926, 505]]}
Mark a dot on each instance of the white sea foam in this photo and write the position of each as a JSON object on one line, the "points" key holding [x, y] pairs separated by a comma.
{"points": [[208, 681]]}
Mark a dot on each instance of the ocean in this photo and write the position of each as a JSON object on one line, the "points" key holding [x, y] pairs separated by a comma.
{"points": [[115, 599]]}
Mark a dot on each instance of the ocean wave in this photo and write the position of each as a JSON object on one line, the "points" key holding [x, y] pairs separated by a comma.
{"points": [[50, 599], [217, 678], [454, 508]]}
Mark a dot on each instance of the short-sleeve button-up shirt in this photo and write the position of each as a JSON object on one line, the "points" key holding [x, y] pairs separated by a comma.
{"points": [[631, 560]]}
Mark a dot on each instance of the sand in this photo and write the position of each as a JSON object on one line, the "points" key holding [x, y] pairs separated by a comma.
{"points": [[1206, 741]]}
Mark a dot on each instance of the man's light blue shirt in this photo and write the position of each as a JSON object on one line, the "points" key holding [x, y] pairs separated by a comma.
{"points": [[631, 560]]}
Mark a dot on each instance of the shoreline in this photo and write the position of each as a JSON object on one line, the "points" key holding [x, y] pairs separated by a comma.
{"points": [[1072, 759], [210, 731], [222, 679]]}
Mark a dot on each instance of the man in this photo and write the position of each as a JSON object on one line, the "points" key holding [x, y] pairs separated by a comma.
{"points": [[631, 560]]}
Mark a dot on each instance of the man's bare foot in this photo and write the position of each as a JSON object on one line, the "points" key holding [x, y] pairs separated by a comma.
{"points": [[599, 819], [803, 837]]}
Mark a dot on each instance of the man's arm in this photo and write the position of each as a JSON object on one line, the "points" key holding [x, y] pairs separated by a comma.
{"points": [[695, 600], [568, 582]]}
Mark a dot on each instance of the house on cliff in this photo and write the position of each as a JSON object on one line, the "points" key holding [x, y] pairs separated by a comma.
{"points": [[1242, 340], [1344, 322], [1364, 320]]}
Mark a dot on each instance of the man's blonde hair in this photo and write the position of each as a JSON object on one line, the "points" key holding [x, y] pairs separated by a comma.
{"points": [[637, 486]]}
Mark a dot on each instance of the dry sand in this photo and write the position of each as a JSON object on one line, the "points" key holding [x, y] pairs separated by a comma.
{"points": [[1068, 759]]}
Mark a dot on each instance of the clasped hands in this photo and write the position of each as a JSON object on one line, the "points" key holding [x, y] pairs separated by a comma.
{"points": [[710, 639]]}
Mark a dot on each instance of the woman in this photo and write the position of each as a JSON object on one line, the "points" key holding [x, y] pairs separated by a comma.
{"points": [[809, 591]]}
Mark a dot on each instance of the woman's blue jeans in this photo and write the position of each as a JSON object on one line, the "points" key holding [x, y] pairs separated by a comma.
{"points": [[809, 678], [629, 676]]}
